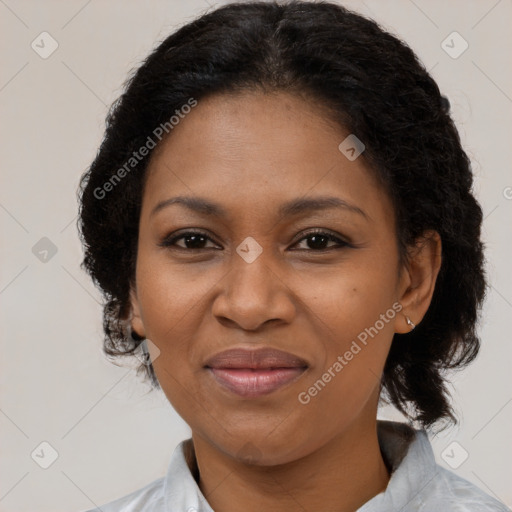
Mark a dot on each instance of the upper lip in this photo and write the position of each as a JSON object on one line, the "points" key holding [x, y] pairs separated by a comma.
{"points": [[262, 358]]}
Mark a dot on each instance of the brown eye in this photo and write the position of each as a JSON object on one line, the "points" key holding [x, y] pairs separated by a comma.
{"points": [[191, 240], [318, 240]]}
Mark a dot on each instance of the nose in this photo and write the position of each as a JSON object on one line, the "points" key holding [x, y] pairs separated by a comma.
{"points": [[253, 295]]}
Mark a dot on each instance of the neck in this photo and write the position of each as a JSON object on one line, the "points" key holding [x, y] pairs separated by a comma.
{"points": [[341, 475]]}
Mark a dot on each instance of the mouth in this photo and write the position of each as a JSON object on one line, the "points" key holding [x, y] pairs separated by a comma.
{"points": [[253, 373]]}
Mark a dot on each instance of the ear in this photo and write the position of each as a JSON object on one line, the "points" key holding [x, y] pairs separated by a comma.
{"points": [[136, 322], [418, 281]]}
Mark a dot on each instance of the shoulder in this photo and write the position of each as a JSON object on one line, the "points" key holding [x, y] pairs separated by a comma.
{"points": [[456, 494], [147, 499], [418, 483]]}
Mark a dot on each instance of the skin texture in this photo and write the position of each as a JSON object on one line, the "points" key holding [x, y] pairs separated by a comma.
{"points": [[250, 153]]}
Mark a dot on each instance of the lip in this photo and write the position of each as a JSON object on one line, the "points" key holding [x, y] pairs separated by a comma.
{"points": [[253, 373]]}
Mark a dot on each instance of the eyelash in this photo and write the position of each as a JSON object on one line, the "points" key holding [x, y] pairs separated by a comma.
{"points": [[169, 242]]}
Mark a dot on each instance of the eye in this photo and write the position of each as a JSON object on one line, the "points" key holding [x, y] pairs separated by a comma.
{"points": [[197, 240], [318, 240], [191, 240]]}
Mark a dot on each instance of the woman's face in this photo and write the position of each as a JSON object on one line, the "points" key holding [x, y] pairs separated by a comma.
{"points": [[257, 277]]}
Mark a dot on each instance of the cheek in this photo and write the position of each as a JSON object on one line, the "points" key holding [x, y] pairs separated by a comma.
{"points": [[357, 305], [352, 296], [169, 306], [170, 295], [348, 380]]}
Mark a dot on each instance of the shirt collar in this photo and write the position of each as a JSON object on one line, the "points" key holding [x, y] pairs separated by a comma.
{"points": [[407, 452], [181, 491]]}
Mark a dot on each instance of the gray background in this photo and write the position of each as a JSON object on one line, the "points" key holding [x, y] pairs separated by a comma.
{"points": [[111, 436]]}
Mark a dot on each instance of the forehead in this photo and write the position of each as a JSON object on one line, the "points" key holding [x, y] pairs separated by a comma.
{"points": [[252, 149]]}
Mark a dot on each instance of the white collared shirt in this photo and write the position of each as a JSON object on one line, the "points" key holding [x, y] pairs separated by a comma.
{"points": [[417, 483]]}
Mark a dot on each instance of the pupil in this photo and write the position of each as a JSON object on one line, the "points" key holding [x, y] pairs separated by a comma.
{"points": [[195, 241], [317, 241]]}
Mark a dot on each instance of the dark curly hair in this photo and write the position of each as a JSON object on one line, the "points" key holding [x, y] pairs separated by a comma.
{"points": [[372, 84]]}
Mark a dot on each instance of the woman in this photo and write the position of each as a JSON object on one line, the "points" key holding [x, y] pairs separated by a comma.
{"points": [[280, 217]]}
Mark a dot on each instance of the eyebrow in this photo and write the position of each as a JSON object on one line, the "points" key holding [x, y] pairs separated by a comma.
{"points": [[294, 207]]}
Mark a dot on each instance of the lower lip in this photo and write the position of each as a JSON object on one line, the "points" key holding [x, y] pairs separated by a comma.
{"points": [[252, 383]]}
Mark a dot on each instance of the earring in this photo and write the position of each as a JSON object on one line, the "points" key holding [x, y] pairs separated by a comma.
{"points": [[409, 322]]}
